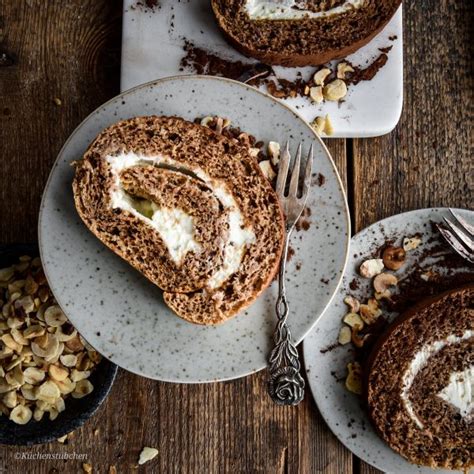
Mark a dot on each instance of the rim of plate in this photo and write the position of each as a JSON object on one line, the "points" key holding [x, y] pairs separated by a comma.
{"points": [[203, 77], [362, 454]]}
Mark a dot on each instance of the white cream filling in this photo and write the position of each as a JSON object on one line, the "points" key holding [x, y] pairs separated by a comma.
{"points": [[177, 228], [419, 362], [293, 9], [460, 391]]}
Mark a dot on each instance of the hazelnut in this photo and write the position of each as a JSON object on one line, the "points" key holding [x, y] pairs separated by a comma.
{"points": [[318, 124], [274, 152], [328, 127], [354, 378], [353, 320], [323, 125], [335, 90], [267, 169], [393, 257], [411, 243], [383, 281], [321, 75], [345, 335], [353, 303], [370, 312], [21, 415], [371, 268], [316, 94], [342, 69], [357, 339]]}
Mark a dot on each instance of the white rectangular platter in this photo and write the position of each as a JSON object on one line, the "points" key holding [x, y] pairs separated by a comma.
{"points": [[152, 48]]}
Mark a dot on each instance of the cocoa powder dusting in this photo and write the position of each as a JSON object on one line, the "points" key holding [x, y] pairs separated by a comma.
{"points": [[368, 73], [202, 61]]}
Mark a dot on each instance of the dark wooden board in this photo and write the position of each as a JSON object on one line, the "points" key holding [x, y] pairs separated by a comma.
{"points": [[70, 51]]}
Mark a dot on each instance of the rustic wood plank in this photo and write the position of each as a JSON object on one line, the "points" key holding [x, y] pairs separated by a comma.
{"points": [[427, 160], [71, 53]]}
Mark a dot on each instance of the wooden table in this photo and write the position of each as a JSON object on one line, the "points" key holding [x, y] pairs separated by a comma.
{"points": [[59, 60]]}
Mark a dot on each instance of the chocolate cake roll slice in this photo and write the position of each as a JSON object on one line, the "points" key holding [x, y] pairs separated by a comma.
{"points": [[301, 32], [420, 382], [188, 208]]}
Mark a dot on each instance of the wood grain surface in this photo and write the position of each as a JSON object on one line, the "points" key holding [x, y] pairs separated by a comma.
{"points": [[60, 60]]}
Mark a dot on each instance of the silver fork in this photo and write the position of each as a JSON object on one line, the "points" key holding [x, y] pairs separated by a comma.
{"points": [[286, 386], [460, 235]]}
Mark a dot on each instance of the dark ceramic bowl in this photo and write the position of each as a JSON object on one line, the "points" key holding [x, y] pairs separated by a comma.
{"points": [[77, 411]]}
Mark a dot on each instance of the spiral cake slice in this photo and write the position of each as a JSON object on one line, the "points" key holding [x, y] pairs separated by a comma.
{"points": [[421, 379], [301, 32], [188, 208]]}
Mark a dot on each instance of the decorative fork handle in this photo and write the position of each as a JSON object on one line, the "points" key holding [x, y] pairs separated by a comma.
{"points": [[286, 386]]}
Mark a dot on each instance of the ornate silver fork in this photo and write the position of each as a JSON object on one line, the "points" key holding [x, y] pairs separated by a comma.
{"points": [[460, 235], [286, 386]]}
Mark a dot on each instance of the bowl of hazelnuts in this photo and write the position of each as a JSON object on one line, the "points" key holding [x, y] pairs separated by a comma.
{"points": [[52, 380]]}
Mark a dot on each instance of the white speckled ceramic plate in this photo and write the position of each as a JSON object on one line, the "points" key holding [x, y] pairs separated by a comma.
{"points": [[121, 313], [326, 370]]}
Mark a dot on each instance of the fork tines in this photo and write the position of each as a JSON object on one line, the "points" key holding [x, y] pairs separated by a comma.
{"points": [[459, 235], [284, 166]]}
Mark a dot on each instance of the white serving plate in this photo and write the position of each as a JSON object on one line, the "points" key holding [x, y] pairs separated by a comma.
{"points": [[122, 314], [341, 409], [152, 49]]}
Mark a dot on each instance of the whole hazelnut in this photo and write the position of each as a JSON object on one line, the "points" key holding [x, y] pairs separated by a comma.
{"points": [[393, 257]]}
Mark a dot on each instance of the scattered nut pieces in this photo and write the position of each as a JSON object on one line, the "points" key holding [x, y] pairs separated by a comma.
{"points": [[354, 320], [86, 467], [342, 69], [38, 348], [62, 439], [205, 121], [112, 470], [383, 281], [354, 378], [353, 303], [318, 124], [357, 339], [147, 454], [371, 268], [323, 125], [321, 75], [393, 257], [328, 127], [267, 170], [335, 90], [345, 335], [411, 243], [274, 151], [370, 312], [316, 94]]}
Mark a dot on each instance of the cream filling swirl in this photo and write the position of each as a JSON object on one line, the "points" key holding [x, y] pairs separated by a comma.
{"points": [[419, 362], [175, 227], [293, 9]]}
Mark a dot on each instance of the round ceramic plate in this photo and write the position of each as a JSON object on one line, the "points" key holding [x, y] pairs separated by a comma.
{"points": [[122, 314], [326, 363]]}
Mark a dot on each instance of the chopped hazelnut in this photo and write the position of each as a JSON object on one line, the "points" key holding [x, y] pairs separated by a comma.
{"points": [[393, 257]]}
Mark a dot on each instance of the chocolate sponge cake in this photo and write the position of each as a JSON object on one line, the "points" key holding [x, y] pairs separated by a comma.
{"points": [[301, 32], [420, 382], [187, 207]]}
